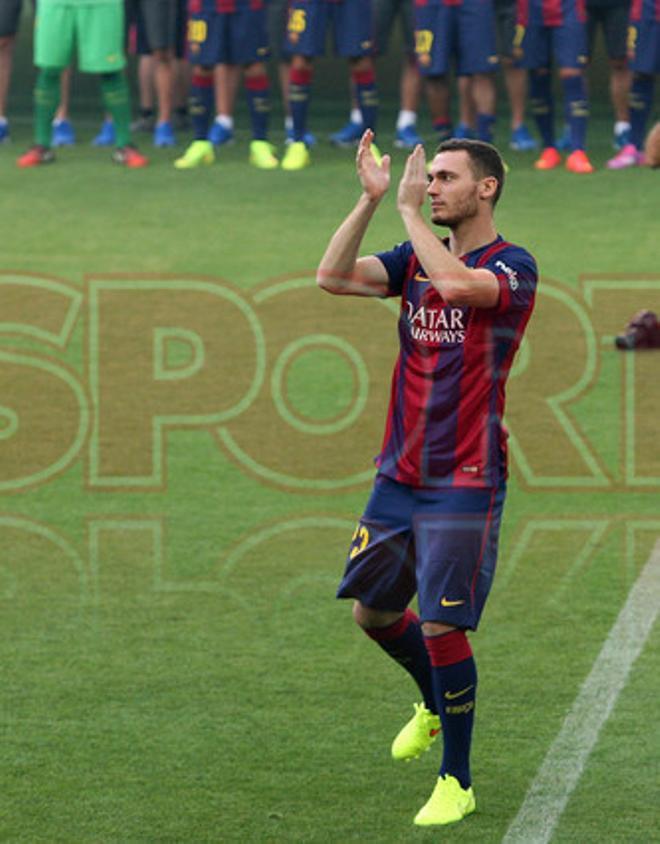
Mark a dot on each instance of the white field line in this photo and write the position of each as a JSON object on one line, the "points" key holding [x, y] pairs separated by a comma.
{"points": [[564, 763]]}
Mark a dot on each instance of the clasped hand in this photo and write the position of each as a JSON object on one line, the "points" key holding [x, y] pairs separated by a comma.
{"points": [[375, 176]]}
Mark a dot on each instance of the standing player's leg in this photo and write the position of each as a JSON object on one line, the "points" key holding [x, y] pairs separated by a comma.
{"points": [[433, 48], [181, 83], [245, 44], [10, 13], [200, 109], [100, 36], [515, 76], [203, 41], [257, 88], [380, 575], [477, 57], [305, 39], [456, 537], [531, 47], [352, 24], [226, 79], [644, 55], [53, 48], [63, 133], [570, 49]]}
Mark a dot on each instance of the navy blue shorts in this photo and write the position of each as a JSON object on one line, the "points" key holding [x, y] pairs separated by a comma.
{"points": [[309, 20], [644, 47], [566, 44], [464, 34], [441, 544], [239, 37]]}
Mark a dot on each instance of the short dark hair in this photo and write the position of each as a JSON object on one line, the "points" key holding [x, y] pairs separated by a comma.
{"points": [[485, 160]]}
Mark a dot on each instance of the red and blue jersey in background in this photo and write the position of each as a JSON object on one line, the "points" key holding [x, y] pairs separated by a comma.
{"points": [[550, 12], [645, 10], [197, 7], [444, 425]]}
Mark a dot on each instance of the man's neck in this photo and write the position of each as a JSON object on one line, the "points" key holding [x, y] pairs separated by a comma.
{"points": [[470, 235]]}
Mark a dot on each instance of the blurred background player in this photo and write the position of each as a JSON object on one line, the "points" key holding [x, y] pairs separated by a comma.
{"points": [[278, 15], [307, 24], [386, 14], [10, 15], [547, 31], [644, 55], [233, 38], [464, 29], [156, 22], [97, 29], [515, 76], [154, 25], [612, 17]]}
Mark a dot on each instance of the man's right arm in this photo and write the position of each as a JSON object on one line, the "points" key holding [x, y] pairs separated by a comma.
{"points": [[341, 271]]}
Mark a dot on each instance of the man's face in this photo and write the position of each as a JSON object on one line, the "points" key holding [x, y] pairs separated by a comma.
{"points": [[452, 189]]}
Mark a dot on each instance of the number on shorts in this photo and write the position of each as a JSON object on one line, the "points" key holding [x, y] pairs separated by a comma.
{"points": [[297, 20], [359, 541], [423, 41], [197, 31]]}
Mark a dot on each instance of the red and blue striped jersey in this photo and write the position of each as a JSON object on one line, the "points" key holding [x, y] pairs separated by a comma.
{"points": [[444, 424], [550, 12], [645, 10]]}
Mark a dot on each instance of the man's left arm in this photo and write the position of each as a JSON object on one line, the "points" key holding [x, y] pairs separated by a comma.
{"points": [[457, 284]]}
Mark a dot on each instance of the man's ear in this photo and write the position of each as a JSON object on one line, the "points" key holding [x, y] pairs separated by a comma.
{"points": [[488, 187]]}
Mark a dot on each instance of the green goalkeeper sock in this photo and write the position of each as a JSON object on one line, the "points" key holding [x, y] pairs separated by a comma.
{"points": [[116, 100], [46, 99]]}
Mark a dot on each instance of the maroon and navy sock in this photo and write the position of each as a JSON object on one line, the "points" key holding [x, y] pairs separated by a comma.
{"points": [[200, 104], [257, 88], [364, 82], [300, 85], [576, 109], [640, 101], [542, 106], [404, 642], [454, 676]]}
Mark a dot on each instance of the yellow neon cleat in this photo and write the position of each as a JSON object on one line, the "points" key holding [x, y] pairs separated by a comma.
{"points": [[417, 736], [297, 157], [448, 803], [262, 155], [199, 152]]}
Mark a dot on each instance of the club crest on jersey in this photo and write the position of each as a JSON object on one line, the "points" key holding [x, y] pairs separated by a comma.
{"points": [[436, 326]]}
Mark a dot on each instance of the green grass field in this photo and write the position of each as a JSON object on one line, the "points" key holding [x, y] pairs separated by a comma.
{"points": [[186, 434]]}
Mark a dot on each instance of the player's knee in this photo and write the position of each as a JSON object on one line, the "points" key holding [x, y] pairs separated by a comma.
{"points": [[254, 69], [301, 63], [368, 618], [569, 72], [618, 65], [162, 56], [361, 63], [435, 628], [6, 41]]}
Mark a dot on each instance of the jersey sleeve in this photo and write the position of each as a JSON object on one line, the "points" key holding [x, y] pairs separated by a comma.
{"points": [[397, 262], [517, 276]]}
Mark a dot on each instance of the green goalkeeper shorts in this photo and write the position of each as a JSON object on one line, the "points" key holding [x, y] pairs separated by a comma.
{"points": [[95, 28]]}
